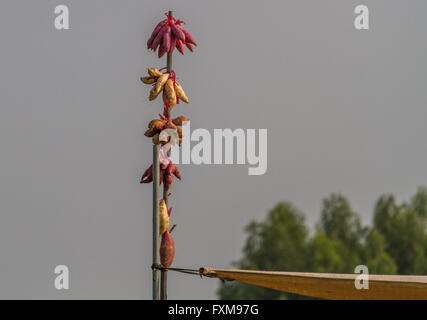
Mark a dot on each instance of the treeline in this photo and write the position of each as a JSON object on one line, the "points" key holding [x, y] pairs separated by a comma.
{"points": [[395, 243]]}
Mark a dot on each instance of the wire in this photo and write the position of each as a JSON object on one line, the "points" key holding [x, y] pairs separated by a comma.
{"points": [[182, 270]]}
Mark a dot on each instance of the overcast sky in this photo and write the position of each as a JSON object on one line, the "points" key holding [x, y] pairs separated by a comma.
{"points": [[345, 112]]}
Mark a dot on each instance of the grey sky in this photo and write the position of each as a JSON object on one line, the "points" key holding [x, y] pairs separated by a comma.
{"points": [[345, 112]]}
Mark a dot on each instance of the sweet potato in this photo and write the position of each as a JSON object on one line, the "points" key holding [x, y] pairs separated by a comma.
{"points": [[167, 180], [179, 131], [150, 132], [170, 93], [164, 165], [189, 46], [158, 28], [148, 179], [188, 37], [148, 80], [177, 31], [148, 175], [167, 39], [179, 121], [161, 82], [180, 46], [167, 250], [173, 170], [170, 169], [150, 42], [155, 32], [173, 44], [177, 173], [153, 94], [171, 125], [180, 92], [162, 174], [163, 217], [161, 51], [159, 38], [157, 124], [165, 99], [153, 72]]}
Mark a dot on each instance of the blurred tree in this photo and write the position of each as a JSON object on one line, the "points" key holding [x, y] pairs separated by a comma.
{"points": [[323, 255], [403, 230], [397, 242], [378, 260], [278, 243], [339, 221], [419, 202]]}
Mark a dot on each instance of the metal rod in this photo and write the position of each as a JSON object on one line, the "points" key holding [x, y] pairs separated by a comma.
{"points": [[164, 273], [156, 191], [164, 285]]}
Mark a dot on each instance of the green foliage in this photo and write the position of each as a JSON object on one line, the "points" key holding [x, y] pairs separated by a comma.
{"points": [[339, 221], [378, 260], [403, 227], [274, 244], [395, 244]]}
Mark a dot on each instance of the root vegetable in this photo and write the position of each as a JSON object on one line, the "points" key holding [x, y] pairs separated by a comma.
{"points": [[179, 130], [188, 37], [153, 72], [170, 169], [177, 173], [148, 175], [171, 125], [148, 80], [173, 170], [159, 38], [180, 46], [162, 50], [170, 93], [180, 92], [150, 132], [153, 94], [167, 180], [161, 82], [167, 250], [167, 172], [178, 32], [173, 44], [150, 42], [179, 121], [164, 165], [163, 217], [156, 30], [157, 124], [161, 175], [167, 39], [189, 46]]}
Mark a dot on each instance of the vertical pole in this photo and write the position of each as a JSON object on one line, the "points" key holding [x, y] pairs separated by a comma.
{"points": [[164, 273], [156, 191]]}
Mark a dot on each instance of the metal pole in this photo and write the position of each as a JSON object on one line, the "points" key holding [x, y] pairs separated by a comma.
{"points": [[164, 273], [164, 285], [156, 191]]}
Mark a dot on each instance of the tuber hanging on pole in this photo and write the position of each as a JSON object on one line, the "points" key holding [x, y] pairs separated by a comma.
{"points": [[167, 249], [166, 82], [167, 36]]}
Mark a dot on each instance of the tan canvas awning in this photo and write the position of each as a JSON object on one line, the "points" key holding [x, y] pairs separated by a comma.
{"points": [[329, 285]]}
